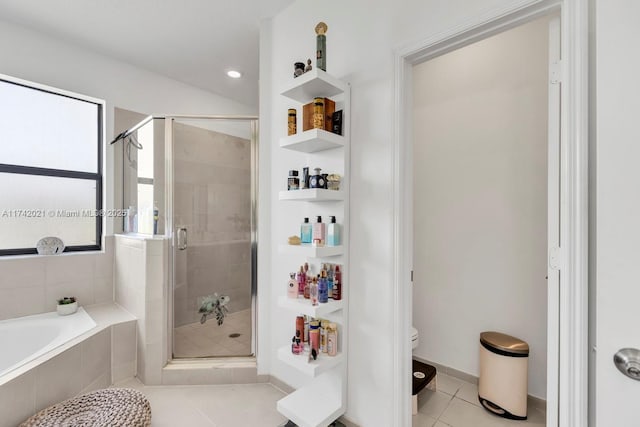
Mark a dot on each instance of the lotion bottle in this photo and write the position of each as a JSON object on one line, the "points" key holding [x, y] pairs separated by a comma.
{"points": [[318, 232], [305, 231], [333, 233]]}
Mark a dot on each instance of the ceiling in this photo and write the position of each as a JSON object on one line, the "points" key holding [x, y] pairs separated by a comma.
{"points": [[193, 41]]}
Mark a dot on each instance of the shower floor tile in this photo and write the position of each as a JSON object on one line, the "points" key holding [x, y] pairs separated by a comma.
{"points": [[211, 340]]}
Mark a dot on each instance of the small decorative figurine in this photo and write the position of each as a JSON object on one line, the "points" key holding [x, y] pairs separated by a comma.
{"points": [[308, 67], [321, 46], [298, 69]]}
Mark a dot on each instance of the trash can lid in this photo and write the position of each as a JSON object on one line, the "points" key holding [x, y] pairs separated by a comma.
{"points": [[504, 342]]}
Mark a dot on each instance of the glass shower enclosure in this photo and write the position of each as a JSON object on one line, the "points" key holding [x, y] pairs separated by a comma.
{"points": [[192, 179]]}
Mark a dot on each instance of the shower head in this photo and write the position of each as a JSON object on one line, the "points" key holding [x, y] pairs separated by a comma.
{"points": [[126, 133]]}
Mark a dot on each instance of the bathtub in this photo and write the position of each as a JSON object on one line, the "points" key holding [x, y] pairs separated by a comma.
{"points": [[27, 338]]}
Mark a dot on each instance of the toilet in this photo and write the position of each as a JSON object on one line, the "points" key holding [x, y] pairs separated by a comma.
{"points": [[423, 375]]}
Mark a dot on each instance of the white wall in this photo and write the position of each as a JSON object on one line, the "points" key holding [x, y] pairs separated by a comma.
{"points": [[480, 199], [32, 56], [360, 43], [617, 66]]}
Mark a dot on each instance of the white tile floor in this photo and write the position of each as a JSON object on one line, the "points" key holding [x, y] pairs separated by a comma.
{"points": [[239, 405], [211, 340], [455, 403]]}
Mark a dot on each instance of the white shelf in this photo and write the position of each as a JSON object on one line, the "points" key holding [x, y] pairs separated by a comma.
{"points": [[312, 368], [312, 141], [312, 195], [315, 405], [313, 84], [309, 251], [303, 306]]}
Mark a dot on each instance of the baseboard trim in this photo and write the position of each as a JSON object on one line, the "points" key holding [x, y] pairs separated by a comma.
{"points": [[532, 401], [280, 385]]}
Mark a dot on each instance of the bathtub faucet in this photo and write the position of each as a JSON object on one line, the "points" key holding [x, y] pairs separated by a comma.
{"points": [[214, 304]]}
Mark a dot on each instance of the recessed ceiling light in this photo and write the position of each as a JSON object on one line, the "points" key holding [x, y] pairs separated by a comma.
{"points": [[234, 74]]}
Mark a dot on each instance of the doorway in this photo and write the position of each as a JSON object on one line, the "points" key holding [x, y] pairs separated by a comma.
{"points": [[212, 204], [483, 138]]}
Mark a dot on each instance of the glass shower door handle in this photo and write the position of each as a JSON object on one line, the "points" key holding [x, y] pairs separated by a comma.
{"points": [[181, 237]]}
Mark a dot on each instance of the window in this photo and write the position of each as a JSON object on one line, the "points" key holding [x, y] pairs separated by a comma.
{"points": [[50, 167]]}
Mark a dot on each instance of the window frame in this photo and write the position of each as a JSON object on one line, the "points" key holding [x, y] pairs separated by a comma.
{"points": [[62, 173]]}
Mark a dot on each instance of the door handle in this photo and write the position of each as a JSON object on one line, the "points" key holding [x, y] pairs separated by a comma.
{"points": [[181, 237], [627, 360]]}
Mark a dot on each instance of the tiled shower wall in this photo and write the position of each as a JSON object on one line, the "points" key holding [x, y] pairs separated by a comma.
{"points": [[213, 201]]}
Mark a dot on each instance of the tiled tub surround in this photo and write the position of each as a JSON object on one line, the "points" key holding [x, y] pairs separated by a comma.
{"points": [[33, 283], [91, 361], [213, 201], [33, 336]]}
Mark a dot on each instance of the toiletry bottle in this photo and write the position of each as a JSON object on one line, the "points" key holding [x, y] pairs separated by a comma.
{"points": [[323, 291], [302, 280], [323, 336], [305, 231], [156, 214], [304, 183], [313, 291], [305, 336], [332, 339], [333, 233], [292, 286], [314, 335], [307, 290], [293, 182], [318, 232], [126, 223], [296, 347], [134, 224], [307, 273], [337, 284], [300, 327], [330, 280]]}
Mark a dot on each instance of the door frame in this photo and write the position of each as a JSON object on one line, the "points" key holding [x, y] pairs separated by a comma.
{"points": [[169, 153], [567, 404]]}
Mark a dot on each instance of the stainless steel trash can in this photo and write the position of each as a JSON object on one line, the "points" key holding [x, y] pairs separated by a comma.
{"points": [[502, 387]]}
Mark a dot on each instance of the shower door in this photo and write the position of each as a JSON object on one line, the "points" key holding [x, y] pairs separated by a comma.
{"points": [[212, 217]]}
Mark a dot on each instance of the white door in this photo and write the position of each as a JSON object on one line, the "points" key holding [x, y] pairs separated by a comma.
{"points": [[617, 216], [553, 224]]}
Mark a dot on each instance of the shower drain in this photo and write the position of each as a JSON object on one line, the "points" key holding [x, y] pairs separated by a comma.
{"points": [[234, 335]]}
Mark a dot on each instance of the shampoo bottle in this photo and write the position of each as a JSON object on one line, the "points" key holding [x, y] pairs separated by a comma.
{"points": [[305, 231], [333, 233], [156, 214], [318, 232]]}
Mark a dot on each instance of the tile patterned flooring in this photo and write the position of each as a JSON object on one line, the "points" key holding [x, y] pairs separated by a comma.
{"points": [[211, 340], [455, 404], [238, 405]]}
